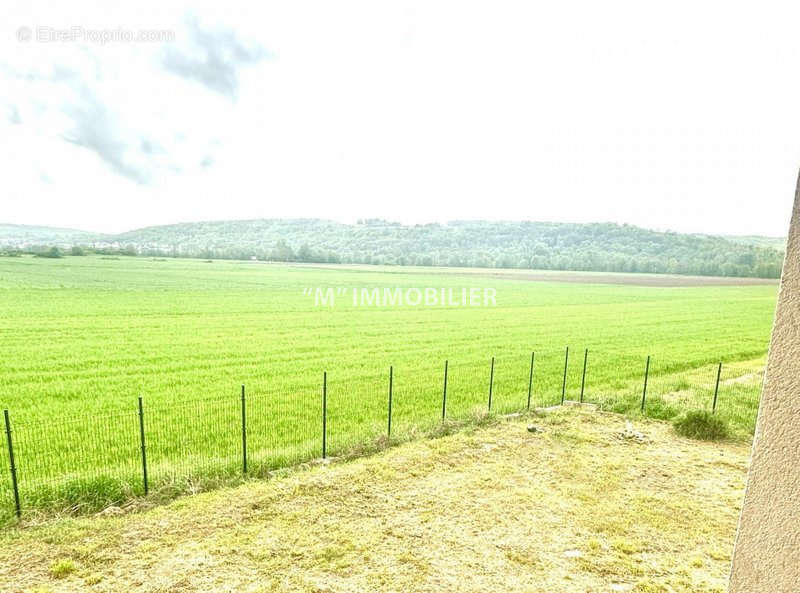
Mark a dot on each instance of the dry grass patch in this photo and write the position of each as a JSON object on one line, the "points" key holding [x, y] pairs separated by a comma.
{"points": [[572, 508]]}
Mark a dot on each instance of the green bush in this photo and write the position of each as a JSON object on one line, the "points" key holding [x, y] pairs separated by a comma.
{"points": [[53, 252], [700, 424]]}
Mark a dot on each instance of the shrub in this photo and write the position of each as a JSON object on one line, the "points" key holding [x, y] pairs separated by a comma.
{"points": [[700, 424], [53, 252]]}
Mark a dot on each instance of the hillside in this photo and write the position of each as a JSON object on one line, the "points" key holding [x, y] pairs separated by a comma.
{"points": [[23, 234], [603, 247], [778, 243]]}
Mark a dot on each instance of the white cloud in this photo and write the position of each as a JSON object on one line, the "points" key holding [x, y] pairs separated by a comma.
{"points": [[679, 117]]}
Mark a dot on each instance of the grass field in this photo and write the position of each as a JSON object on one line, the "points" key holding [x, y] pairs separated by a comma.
{"points": [[82, 337], [573, 508]]}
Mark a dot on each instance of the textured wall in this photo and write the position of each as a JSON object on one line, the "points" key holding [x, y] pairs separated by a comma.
{"points": [[767, 554]]}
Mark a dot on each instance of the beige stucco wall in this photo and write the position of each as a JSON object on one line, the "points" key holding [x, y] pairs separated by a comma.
{"points": [[766, 558]]}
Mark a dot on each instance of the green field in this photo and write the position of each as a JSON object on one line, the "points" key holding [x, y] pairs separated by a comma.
{"points": [[83, 337]]}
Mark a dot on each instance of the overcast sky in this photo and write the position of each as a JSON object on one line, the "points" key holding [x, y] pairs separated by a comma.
{"points": [[681, 115]]}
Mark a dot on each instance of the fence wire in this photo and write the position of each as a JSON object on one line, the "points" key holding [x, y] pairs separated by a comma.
{"points": [[192, 441], [284, 427], [84, 462], [89, 462]]}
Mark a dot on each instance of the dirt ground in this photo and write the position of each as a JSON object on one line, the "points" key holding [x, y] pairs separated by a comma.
{"points": [[573, 507], [633, 279], [560, 276]]}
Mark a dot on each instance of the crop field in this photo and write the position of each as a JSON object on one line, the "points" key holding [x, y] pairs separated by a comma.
{"points": [[81, 338]]}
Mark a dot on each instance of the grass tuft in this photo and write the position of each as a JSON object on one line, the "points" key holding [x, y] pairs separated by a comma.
{"points": [[62, 569], [703, 425]]}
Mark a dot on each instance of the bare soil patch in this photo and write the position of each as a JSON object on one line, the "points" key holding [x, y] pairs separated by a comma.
{"points": [[666, 280]]}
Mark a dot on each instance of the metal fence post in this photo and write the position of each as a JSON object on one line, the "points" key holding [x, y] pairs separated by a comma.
{"points": [[324, 414], [244, 433], [14, 485], [583, 377], [646, 373], [141, 440], [444, 393], [716, 389], [491, 384], [389, 427], [530, 381], [564, 382]]}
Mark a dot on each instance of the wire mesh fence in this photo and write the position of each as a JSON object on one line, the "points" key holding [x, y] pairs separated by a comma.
{"points": [[283, 427], [416, 401], [192, 441], [467, 388], [510, 382], [90, 462], [738, 399], [7, 506], [357, 410], [548, 375], [78, 462]]}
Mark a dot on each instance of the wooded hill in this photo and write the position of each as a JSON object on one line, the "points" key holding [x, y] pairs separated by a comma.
{"points": [[602, 247]]}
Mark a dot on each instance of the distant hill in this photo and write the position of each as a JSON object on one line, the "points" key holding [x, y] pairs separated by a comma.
{"points": [[602, 247], [23, 234], [778, 243]]}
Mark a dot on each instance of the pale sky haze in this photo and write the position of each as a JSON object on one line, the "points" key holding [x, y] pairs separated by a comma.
{"points": [[679, 115]]}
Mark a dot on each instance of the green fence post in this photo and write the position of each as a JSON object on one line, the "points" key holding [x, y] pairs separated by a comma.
{"points": [[141, 440], [530, 381], [491, 383], [389, 427], [444, 393], [564, 382], [14, 484], [716, 390], [244, 433], [583, 377], [324, 414]]}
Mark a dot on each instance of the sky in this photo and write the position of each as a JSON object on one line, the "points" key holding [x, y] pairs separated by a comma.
{"points": [[674, 116]]}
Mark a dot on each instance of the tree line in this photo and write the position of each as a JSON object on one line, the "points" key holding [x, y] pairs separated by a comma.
{"points": [[600, 247]]}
